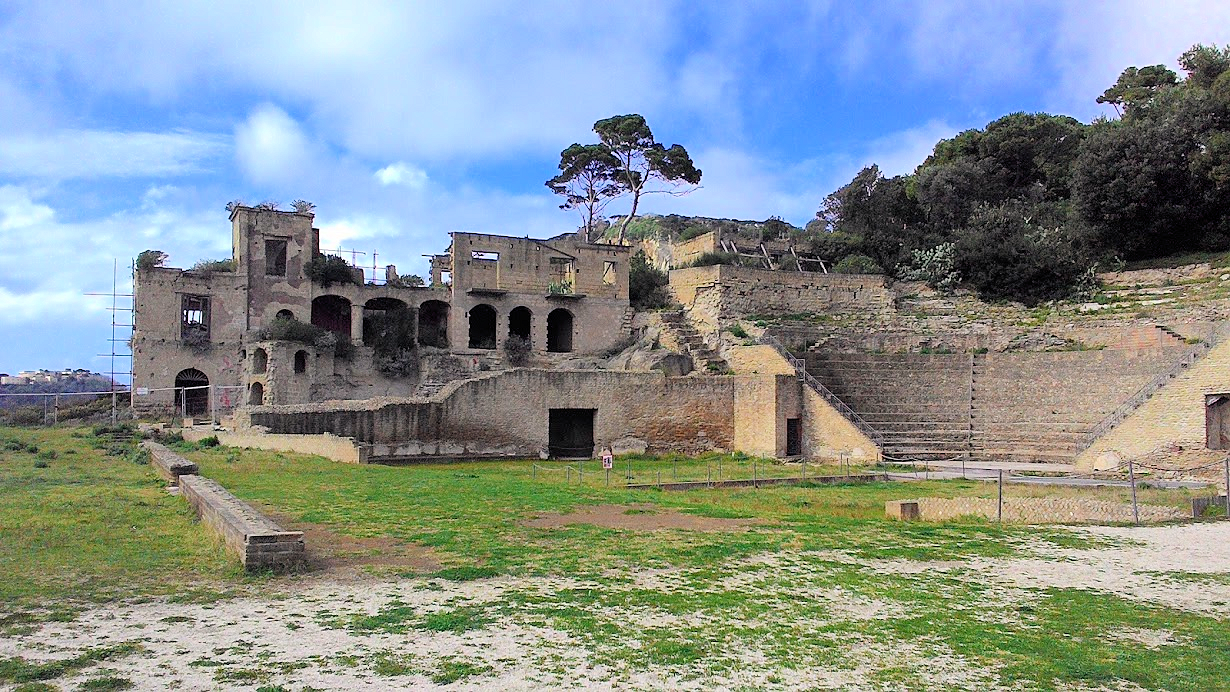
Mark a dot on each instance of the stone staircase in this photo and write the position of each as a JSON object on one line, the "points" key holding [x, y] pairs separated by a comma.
{"points": [[676, 322], [1037, 407]]}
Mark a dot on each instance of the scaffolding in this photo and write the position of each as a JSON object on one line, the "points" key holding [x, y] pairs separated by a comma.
{"points": [[123, 310]]}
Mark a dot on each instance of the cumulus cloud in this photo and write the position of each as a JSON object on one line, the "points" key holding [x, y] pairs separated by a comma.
{"points": [[67, 154], [271, 148], [401, 173]]}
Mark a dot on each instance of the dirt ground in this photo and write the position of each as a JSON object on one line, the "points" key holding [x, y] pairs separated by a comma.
{"points": [[291, 638]]}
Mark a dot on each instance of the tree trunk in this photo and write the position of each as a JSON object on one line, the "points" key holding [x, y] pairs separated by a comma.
{"points": [[623, 225]]}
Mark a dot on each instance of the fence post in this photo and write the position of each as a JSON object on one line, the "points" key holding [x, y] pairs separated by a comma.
{"points": [[213, 412], [719, 469], [534, 473], [608, 478], [1132, 478], [1227, 462], [804, 469], [753, 472], [567, 475], [55, 412], [1000, 512], [580, 473]]}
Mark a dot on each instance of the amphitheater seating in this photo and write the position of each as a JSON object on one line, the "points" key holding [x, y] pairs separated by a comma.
{"points": [[995, 406]]}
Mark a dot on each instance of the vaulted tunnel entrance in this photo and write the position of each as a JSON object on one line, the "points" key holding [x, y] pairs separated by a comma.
{"points": [[332, 313], [433, 323], [482, 326], [571, 433]]}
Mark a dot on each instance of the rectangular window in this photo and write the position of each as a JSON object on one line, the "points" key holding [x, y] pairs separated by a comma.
{"points": [[608, 273], [275, 257], [485, 256], [194, 317]]}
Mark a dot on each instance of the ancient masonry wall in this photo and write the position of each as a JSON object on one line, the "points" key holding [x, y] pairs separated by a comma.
{"points": [[507, 413], [826, 433], [1172, 419], [1028, 510], [720, 293]]}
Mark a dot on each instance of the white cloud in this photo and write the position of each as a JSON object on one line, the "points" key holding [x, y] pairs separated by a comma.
{"points": [[19, 211], [94, 153], [1095, 41], [401, 173], [900, 153], [271, 148]]}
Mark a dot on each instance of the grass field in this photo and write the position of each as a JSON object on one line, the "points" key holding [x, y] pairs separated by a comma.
{"points": [[786, 587]]}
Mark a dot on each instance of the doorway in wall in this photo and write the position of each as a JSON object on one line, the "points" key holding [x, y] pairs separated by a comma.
{"points": [[1217, 421], [571, 433], [794, 437]]}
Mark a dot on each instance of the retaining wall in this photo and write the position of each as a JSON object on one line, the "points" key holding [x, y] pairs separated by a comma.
{"points": [[1028, 510], [259, 542]]}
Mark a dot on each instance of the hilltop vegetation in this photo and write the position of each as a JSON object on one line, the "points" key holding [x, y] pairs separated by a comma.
{"points": [[1028, 207]]}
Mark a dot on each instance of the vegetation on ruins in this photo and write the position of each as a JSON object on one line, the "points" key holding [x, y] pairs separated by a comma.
{"points": [[408, 281], [646, 284], [1032, 202], [390, 333], [517, 350], [291, 329], [327, 270], [626, 161], [211, 266], [150, 259]]}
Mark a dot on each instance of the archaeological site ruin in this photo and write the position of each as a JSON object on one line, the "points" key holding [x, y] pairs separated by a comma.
{"points": [[526, 347]]}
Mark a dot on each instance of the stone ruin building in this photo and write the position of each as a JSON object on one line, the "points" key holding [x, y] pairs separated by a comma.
{"points": [[798, 363]]}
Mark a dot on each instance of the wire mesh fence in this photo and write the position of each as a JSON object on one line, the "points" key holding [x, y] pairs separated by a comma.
{"points": [[709, 470], [37, 409]]}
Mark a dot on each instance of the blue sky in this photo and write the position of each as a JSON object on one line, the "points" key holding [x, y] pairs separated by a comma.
{"points": [[127, 126]]}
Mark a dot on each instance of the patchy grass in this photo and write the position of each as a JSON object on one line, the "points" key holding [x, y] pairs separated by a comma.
{"points": [[91, 525], [821, 581]]}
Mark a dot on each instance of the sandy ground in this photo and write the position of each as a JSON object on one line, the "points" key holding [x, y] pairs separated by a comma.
{"points": [[292, 638]]}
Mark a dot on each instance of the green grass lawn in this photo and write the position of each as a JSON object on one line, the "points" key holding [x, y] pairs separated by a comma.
{"points": [[89, 526]]}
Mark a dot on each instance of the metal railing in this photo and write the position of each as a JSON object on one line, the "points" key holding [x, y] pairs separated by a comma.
{"points": [[1145, 392], [800, 369]]}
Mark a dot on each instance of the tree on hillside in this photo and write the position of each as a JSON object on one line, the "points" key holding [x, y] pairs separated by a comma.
{"points": [[643, 162], [1204, 64], [1136, 87], [589, 179]]}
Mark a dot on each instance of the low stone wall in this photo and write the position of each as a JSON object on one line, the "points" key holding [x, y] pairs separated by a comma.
{"points": [[1028, 510], [169, 464], [341, 449], [259, 542]]}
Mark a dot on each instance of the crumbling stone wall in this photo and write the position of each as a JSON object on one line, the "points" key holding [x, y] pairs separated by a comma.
{"points": [[721, 293]]}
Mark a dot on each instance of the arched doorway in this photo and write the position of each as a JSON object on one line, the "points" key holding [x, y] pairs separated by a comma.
{"points": [[332, 313], [191, 392], [482, 326], [388, 319], [433, 323], [559, 331], [519, 322], [256, 394]]}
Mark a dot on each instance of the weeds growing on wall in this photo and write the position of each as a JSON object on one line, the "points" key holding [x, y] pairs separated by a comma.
{"points": [[327, 270], [517, 350], [213, 266]]}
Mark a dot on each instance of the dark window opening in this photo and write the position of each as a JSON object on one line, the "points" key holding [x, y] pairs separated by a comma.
{"points": [[388, 321], [260, 361], [275, 258], [285, 315], [194, 317], [332, 313], [191, 392], [1217, 421], [300, 361], [559, 331], [433, 323], [519, 321], [482, 326], [571, 433], [256, 394], [794, 437]]}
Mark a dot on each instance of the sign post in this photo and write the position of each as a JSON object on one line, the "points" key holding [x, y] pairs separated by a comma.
{"points": [[608, 461]]}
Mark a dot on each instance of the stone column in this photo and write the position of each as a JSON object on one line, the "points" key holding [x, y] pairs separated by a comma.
{"points": [[356, 324]]}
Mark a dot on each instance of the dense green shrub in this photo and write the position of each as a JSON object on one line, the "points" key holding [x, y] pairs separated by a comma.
{"points": [[149, 259], [327, 270], [647, 285], [710, 259], [211, 266], [857, 264], [517, 350]]}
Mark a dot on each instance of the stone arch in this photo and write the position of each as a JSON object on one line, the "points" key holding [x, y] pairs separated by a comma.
{"points": [[260, 361], [380, 314], [520, 322], [191, 395], [482, 326], [433, 323], [559, 331], [256, 394], [300, 361], [284, 314], [332, 313]]}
